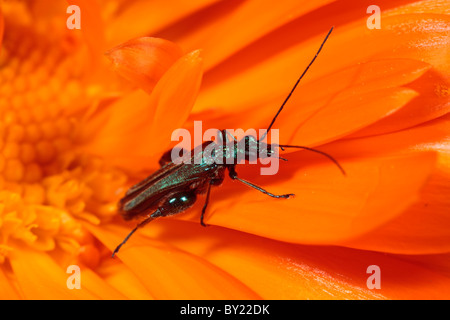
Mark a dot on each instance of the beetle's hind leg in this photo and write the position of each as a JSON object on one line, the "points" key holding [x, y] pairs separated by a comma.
{"points": [[174, 203], [233, 175]]}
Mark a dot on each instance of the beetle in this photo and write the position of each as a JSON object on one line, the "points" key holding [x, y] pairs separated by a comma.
{"points": [[174, 187]]}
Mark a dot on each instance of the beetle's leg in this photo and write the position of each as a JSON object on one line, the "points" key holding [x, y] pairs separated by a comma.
{"points": [[233, 175], [154, 215], [206, 204]]}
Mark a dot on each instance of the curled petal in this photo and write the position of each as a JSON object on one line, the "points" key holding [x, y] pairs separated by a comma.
{"points": [[175, 97], [127, 128], [143, 61]]}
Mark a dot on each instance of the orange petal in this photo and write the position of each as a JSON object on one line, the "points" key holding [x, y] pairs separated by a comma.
{"points": [[7, 290], [92, 26], [237, 82], [176, 94], [2, 26], [259, 36], [430, 136], [360, 94], [143, 61], [435, 262], [254, 18], [44, 279], [423, 227], [122, 279], [432, 102], [169, 273], [278, 270], [347, 114], [98, 286], [143, 18], [127, 128], [338, 104], [327, 207], [274, 270], [352, 97]]}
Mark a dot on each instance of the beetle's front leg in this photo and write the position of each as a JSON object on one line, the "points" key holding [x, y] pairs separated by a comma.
{"points": [[233, 175]]}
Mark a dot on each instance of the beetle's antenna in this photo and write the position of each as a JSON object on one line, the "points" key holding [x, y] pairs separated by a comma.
{"points": [[282, 146], [295, 86]]}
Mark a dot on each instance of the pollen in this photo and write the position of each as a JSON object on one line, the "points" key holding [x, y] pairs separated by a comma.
{"points": [[47, 187], [28, 130]]}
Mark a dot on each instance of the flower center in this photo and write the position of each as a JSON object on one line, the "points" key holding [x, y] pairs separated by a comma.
{"points": [[47, 187], [37, 87]]}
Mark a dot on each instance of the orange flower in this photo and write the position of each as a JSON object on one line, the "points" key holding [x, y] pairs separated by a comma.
{"points": [[79, 127]]}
